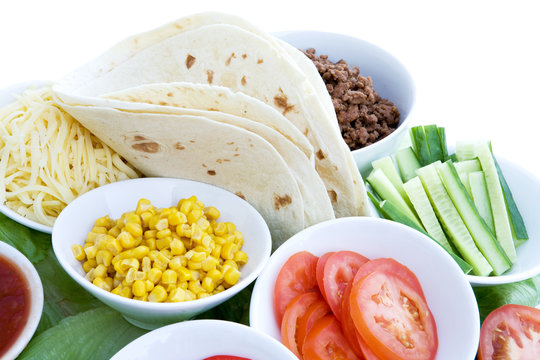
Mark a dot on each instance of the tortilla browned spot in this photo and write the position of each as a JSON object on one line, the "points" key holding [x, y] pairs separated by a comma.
{"points": [[211, 172], [333, 195], [260, 61], [139, 138], [240, 195], [244, 56], [170, 94], [149, 147], [281, 201], [228, 61], [189, 61], [321, 155], [243, 80], [281, 101], [210, 76], [179, 146]]}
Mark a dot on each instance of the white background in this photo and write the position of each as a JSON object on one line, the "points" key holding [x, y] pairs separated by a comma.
{"points": [[476, 64]]}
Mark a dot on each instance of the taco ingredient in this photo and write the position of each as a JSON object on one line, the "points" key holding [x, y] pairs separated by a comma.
{"points": [[14, 303], [47, 158], [510, 332], [364, 117], [171, 254]]}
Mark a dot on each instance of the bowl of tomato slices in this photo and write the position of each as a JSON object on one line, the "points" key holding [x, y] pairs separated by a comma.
{"points": [[366, 288]]}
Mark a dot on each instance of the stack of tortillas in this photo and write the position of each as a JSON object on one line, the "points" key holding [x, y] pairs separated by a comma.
{"points": [[212, 98]]}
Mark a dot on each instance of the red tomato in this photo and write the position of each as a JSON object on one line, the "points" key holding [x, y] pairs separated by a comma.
{"points": [[226, 357], [347, 323], [296, 308], [325, 341], [366, 351], [316, 311], [297, 276], [510, 332], [339, 271], [392, 316], [319, 271]]}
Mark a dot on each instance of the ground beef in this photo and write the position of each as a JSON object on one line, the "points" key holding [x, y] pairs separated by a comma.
{"points": [[363, 116]]}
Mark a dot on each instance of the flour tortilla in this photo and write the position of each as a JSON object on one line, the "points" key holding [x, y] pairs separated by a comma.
{"points": [[243, 62], [201, 149]]}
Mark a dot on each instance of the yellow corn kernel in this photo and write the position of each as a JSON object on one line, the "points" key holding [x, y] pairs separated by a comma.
{"points": [[154, 275], [135, 229], [146, 264], [153, 254], [132, 217], [160, 234], [211, 213], [101, 283], [89, 264], [195, 286], [141, 298], [148, 234], [162, 257], [208, 242], [158, 264], [228, 250], [104, 257], [185, 206], [183, 230], [152, 222], [126, 264], [151, 243], [91, 252], [219, 289], [140, 275], [78, 252], [195, 274], [163, 243], [220, 229], [182, 285], [102, 240], [126, 292], [240, 257], [231, 276], [208, 284], [138, 288], [162, 224], [139, 252], [99, 230], [158, 294], [167, 253], [203, 224], [168, 287], [91, 237], [196, 233], [142, 206], [209, 263], [169, 277], [177, 295], [231, 228], [114, 231], [117, 290], [126, 240], [215, 275], [130, 276], [114, 247], [183, 274], [175, 263], [203, 295], [190, 295], [193, 216], [177, 247], [216, 251], [176, 218], [196, 256], [203, 249], [149, 285], [230, 263], [90, 275], [145, 218], [104, 221]]}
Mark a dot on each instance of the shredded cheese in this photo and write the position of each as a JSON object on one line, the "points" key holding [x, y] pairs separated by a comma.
{"points": [[47, 158]]}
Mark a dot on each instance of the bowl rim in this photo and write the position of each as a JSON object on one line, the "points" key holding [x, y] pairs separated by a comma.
{"points": [[403, 124], [164, 306], [36, 297]]}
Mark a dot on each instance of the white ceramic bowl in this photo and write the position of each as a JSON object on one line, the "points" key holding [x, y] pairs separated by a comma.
{"points": [[199, 339], [390, 79], [76, 220], [36, 297], [448, 293], [7, 96]]}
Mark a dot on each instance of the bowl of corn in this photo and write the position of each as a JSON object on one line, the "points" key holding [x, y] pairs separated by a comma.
{"points": [[161, 250]]}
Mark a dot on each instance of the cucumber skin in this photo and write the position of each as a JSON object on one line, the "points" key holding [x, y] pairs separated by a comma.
{"points": [[479, 230], [480, 198], [407, 162], [420, 145]]}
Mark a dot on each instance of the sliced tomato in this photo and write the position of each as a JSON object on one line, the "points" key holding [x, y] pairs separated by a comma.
{"points": [[320, 269], [347, 323], [325, 341], [289, 325], [339, 271], [226, 357], [510, 332], [366, 350], [297, 276], [315, 311], [393, 317]]}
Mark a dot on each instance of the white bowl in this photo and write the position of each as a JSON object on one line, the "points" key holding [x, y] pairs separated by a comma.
{"points": [[76, 220], [199, 339], [7, 96], [390, 79], [447, 291], [36, 297]]}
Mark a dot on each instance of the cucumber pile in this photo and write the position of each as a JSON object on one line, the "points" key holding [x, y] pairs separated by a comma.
{"points": [[460, 200]]}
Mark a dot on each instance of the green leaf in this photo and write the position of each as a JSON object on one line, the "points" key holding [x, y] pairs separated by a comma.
{"points": [[33, 244], [95, 334], [235, 309]]}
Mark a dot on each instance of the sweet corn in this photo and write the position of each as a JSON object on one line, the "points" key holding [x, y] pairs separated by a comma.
{"points": [[104, 257], [177, 295], [154, 275], [138, 288], [89, 264], [149, 285], [211, 213], [231, 276], [209, 263], [183, 274], [177, 247], [78, 252], [126, 239], [215, 275], [143, 205], [208, 284], [99, 230], [135, 229], [169, 277], [163, 243], [240, 257], [176, 218], [228, 250], [158, 294]]}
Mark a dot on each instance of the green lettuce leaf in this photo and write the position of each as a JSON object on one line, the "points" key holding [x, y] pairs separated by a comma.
{"points": [[94, 334], [33, 244]]}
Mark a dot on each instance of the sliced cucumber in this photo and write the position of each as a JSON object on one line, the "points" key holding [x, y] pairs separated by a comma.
{"points": [[384, 187], [407, 163], [386, 164], [434, 142], [478, 229], [425, 212], [464, 178], [442, 136], [467, 166], [420, 145], [451, 221], [480, 198], [465, 150], [501, 220]]}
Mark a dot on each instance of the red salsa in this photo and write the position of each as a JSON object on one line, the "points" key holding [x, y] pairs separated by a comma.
{"points": [[14, 303]]}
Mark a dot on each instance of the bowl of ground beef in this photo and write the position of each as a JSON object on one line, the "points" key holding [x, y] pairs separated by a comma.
{"points": [[372, 92]]}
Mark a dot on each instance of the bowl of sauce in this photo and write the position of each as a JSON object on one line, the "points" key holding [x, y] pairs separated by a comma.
{"points": [[21, 301]]}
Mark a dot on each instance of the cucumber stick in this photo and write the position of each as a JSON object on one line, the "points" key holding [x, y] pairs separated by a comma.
{"points": [[467, 166], [465, 150], [425, 212], [420, 145], [386, 190], [386, 164], [442, 136], [451, 221], [407, 163], [434, 142], [483, 238], [480, 198], [501, 220]]}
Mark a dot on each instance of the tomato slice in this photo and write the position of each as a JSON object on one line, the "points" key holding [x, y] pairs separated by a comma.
{"points": [[297, 276], [226, 357], [325, 341], [296, 309], [315, 311], [339, 271], [393, 317], [511, 332], [347, 323], [320, 269]]}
